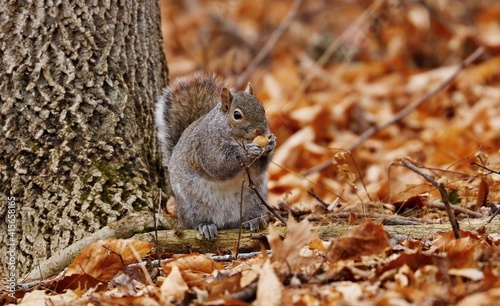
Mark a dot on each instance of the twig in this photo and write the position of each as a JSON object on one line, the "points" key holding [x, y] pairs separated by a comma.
{"points": [[494, 215], [113, 252], [241, 217], [243, 78], [404, 112], [442, 191], [317, 197], [458, 209], [262, 200], [483, 165], [386, 219], [142, 267], [252, 186]]}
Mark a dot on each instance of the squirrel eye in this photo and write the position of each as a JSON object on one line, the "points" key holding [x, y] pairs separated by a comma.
{"points": [[237, 115]]}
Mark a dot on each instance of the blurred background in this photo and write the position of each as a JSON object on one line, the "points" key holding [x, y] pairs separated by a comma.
{"points": [[327, 71]]}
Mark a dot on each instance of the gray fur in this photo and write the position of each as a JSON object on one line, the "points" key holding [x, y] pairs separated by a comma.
{"points": [[205, 161]]}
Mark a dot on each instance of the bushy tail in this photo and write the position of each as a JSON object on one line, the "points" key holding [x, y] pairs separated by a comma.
{"points": [[182, 103]]}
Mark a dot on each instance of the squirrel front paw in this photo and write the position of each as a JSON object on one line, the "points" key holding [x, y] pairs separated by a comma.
{"points": [[208, 231], [271, 143], [256, 149]]}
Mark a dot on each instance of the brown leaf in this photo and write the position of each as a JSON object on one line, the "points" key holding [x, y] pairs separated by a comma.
{"points": [[461, 253], [194, 268], [104, 258], [193, 262], [225, 281], [298, 235], [317, 244], [174, 285], [269, 287], [413, 261], [365, 239], [482, 194], [99, 262], [414, 203]]}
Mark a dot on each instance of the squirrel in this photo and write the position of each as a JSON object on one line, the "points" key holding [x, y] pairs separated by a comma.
{"points": [[205, 132]]}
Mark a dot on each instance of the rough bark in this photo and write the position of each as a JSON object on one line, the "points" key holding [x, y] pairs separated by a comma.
{"points": [[78, 80]]}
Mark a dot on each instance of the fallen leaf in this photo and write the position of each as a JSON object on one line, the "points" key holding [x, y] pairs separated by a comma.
{"points": [[34, 298], [104, 258], [195, 268], [365, 239], [472, 274], [225, 281], [482, 194], [174, 286], [288, 250], [269, 287]]}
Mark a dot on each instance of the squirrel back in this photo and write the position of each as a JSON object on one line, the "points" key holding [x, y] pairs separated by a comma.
{"points": [[174, 113]]}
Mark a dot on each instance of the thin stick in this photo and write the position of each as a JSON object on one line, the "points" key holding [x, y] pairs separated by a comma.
{"points": [[405, 111], [261, 198], [386, 219], [243, 78], [241, 217], [442, 191], [494, 215], [317, 197], [458, 209]]}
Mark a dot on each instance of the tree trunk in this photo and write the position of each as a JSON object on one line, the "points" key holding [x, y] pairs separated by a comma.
{"points": [[78, 81]]}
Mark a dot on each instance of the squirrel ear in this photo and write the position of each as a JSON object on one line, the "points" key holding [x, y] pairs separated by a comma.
{"points": [[226, 98], [249, 89]]}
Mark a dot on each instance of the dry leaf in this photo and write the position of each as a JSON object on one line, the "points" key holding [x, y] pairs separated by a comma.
{"points": [[482, 194], [365, 239], [225, 282], [193, 262], [104, 258], [317, 244], [195, 268], [34, 298], [287, 250], [269, 287], [174, 286]]}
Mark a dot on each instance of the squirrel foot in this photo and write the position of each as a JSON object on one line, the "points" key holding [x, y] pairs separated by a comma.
{"points": [[208, 231], [254, 225]]}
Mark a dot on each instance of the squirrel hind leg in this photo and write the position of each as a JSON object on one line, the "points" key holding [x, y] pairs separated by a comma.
{"points": [[209, 231]]}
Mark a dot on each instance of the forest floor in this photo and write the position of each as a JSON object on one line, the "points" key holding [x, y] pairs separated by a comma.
{"points": [[387, 115]]}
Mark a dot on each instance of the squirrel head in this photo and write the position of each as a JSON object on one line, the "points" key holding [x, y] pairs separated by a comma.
{"points": [[245, 114]]}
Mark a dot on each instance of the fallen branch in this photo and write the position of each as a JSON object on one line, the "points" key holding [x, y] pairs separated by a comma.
{"points": [[124, 228], [386, 219], [457, 209], [404, 112], [442, 191], [188, 241]]}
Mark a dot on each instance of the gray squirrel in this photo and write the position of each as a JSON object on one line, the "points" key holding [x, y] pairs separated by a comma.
{"points": [[207, 135]]}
